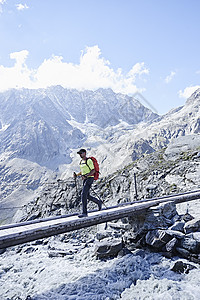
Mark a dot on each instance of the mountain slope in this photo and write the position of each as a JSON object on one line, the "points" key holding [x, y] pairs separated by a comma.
{"points": [[41, 129], [35, 124]]}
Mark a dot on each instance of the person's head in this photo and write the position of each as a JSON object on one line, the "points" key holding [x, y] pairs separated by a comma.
{"points": [[82, 153]]}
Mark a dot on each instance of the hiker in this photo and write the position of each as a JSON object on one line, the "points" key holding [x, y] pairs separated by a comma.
{"points": [[87, 172]]}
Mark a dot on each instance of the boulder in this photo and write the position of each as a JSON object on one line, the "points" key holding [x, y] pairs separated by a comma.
{"points": [[187, 217], [178, 226], [191, 226], [177, 234], [190, 244], [183, 252], [103, 234], [157, 238], [168, 210], [181, 267], [108, 248]]}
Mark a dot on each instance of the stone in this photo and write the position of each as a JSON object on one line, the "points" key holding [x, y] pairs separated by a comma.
{"points": [[123, 252], [169, 210], [3, 250], [59, 253], [176, 234], [119, 225], [180, 145], [170, 246], [196, 236], [103, 234], [178, 226], [157, 238], [183, 252], [187, 217], [191, 226], [190, 244], [181, 267], [108, 248], [195, 258]]}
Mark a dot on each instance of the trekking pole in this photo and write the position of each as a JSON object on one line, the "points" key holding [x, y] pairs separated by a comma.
{"points": [[99, 197], [77, 194]]}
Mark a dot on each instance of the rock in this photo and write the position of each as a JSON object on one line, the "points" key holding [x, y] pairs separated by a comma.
{"points": [[177, 234], [155, 217], [119, 225], [169, 210], [190, 244], [167, 254], [195, 258], [157, 238], [191, 226], [108, 248], [183, 252], [151, 190], [170, 246], [178, 226], [59, 253], [103, 234], [29, 250], [196, 236], [139, 252], [124, 252], [2, 250], [187, 217], [180, 145], [181, 267]]}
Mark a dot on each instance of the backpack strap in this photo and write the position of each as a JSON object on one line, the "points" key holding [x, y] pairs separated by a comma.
{"points": [[87, 163]]}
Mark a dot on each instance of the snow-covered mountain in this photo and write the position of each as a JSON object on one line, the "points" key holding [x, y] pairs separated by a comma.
{"points": [[44, 125], [40, 131]]}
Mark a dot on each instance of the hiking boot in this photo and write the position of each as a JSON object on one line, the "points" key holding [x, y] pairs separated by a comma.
{"points": [[100, 205], [82, 215]]}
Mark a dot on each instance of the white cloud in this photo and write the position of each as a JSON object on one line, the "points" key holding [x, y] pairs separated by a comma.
{"points": [[170, 76], [188, 91], [92, 72], [1, 4], [21, 6]]}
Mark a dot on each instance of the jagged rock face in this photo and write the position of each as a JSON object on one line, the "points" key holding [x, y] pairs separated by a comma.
{"points": [[177, 123]]}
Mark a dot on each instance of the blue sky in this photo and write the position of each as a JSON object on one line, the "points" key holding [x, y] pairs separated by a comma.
{"points": [[149, 47]]}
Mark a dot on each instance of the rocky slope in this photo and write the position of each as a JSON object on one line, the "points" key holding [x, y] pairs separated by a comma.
{"points": [[133, 258], [157, 174]]}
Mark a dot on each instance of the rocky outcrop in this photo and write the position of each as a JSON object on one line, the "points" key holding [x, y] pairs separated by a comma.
{"points": [[159, 229]]}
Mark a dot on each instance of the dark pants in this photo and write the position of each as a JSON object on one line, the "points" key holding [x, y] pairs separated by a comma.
{"points": [[86, 194]]}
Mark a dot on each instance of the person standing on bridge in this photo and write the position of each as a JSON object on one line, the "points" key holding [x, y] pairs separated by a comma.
{"points": [[87, 172]]}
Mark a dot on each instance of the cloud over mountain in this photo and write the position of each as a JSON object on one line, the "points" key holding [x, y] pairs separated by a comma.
{"points": [[92, 72]]}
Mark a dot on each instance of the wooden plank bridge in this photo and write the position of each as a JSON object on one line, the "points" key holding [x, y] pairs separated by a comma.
{"points": [[15, 234]]}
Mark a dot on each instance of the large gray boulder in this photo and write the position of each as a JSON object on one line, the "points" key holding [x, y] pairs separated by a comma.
{"points": [[158, 238], [192, 226], [108, 248], [182, 144]]}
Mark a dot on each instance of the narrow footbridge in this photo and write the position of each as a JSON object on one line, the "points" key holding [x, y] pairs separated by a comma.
{"points": [[15, 234]]}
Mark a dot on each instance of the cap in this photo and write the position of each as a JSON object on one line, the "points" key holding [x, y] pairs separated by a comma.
{"points": [[81, 151]]}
